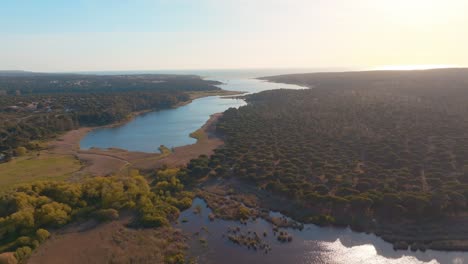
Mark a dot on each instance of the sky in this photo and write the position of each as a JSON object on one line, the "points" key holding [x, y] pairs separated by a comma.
{"points": [[106, 35]]}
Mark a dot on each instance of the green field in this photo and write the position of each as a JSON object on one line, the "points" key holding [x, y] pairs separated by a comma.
{"points": [[29, 169]]}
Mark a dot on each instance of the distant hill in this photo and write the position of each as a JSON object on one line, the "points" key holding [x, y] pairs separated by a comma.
{"points": [[26, 82], [436, 82], [14, 73]]}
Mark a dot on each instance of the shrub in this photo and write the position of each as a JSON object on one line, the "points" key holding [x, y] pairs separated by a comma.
{"points": [[153, 221], [175, 259], [23, 241], [322, 220], [104, 215], [244, 212], [42, 234], [21, 151], [23, 253]]}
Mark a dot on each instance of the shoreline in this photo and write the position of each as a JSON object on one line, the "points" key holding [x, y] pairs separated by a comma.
{"points": [[110, 161], [193, 96], [82, 131]]}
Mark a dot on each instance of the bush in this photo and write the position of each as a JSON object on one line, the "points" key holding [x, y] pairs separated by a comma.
{"points": [[244, 212], [104, 215], [175, 259], [21, 151], [23, 241], [184, 203], [153, 221], [23, 253], [54, 214], [42, 234], [322, 220]]}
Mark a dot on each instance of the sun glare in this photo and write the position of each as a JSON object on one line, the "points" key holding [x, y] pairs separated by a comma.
{"points": [[416, 12], [414, 67]]}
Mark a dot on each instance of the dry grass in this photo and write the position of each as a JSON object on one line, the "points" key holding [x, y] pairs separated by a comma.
{"points": [[32, 168], [110, 243]]}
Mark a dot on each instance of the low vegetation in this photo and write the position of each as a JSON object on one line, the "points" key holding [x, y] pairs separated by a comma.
{"points": [[30, 168], [29, 211]]}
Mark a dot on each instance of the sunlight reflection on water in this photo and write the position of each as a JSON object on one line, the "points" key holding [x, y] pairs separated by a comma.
{"points": [[321, 245], [337, 253]]}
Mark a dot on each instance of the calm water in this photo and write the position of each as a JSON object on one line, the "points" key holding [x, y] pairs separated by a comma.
{"points": [[311, 245], [172, 127]]}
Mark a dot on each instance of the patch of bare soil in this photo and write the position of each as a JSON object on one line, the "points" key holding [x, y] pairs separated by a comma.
{"points": [[109, 242], [69, 143], [8, 258]]}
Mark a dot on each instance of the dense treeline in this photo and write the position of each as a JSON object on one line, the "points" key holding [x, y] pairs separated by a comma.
{"points": [[352, 154], [40, 83], [46, 111], [28, 212]]}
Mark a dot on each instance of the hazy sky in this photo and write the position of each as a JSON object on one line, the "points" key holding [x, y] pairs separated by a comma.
{"points": [[52, 35]]}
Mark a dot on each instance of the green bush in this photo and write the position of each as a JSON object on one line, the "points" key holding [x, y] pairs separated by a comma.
{"points": [[153, 221], [23, 241], [22, 253], [104, 215]]}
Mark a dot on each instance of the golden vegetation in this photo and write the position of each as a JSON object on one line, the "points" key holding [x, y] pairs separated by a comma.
{"points": [[28, 211]]}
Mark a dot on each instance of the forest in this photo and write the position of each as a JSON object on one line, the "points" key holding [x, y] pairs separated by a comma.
{"points": [[356, 149], [39, 106], [39, 83]]}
